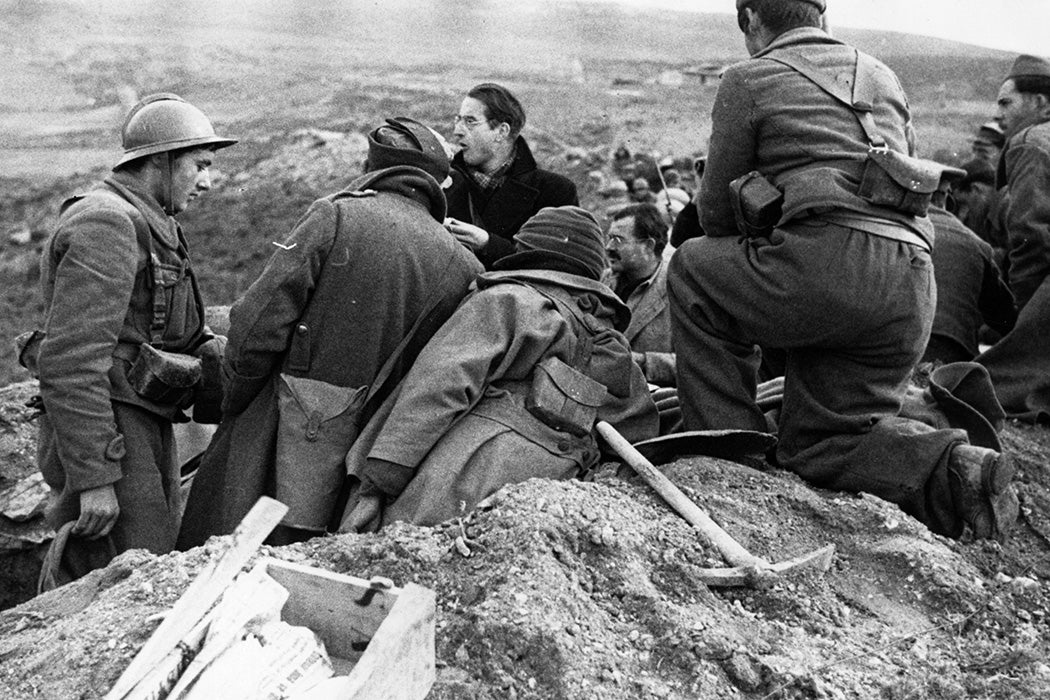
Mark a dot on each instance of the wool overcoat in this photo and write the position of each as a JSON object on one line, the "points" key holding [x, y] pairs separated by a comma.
{"points": [[115, 274], [333, 303], [460, 419]]}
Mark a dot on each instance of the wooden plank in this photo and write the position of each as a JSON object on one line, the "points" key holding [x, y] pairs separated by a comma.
{"points": [[202, 593], [399, 661], [344, 610]]}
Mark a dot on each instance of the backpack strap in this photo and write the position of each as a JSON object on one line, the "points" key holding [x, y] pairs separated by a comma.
{"points": [[858, 95]]}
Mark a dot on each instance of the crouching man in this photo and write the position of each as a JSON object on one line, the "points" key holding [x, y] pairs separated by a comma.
{"points": [[510, 387]]}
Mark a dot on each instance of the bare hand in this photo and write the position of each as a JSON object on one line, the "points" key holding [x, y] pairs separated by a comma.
{"points": [[365, 516], [98, 512], [473, 237]]}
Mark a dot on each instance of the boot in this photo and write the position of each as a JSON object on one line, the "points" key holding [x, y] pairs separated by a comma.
{"points": [[982, 492]]}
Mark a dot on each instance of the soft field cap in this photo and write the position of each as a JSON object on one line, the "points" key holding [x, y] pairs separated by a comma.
{"points": [[1029, 66]]}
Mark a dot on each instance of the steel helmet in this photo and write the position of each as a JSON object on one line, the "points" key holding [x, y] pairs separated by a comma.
{"points": [[166, 122]]}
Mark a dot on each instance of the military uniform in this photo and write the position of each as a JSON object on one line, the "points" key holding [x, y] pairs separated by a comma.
{"points": [[970, 292], [460, 421], [846, 288], [332, 304], [1019, 363], [115, 274]]}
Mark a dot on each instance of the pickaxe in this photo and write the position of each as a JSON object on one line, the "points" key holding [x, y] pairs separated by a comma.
{"points": [[746, 569]]}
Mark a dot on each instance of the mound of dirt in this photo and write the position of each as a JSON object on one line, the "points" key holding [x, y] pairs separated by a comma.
{"points": [[594, 590]]}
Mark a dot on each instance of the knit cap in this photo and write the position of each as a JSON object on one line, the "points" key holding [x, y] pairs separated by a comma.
{"points": [[428, 154], [568, 233]]}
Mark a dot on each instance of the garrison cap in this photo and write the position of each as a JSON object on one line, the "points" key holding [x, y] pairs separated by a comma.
{"points": [[821, 5], [1029, 66]]}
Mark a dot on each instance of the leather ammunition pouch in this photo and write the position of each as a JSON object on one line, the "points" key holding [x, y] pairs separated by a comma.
{"points": [[900, 182], [757, 204], [166, 378], [564, 398]]}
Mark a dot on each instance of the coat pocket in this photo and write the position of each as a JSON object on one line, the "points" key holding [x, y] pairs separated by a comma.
{"points": [[317, 424], [564, 398]]}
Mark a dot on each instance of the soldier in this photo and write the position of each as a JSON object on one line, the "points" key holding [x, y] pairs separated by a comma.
{"points": [[334, 321], [510, 387], [834, 268], [1019, 363], [496, 184], [120, 297]]}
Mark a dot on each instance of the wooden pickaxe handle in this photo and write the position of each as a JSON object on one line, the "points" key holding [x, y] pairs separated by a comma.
{"points": [[731, 550]]}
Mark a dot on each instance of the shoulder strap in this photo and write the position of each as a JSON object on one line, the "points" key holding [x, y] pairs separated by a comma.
{"points": [[159, 311], [382, 378], [858, 97], [576, 316]]}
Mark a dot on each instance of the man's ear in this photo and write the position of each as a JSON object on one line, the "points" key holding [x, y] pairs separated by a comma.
{"points": [[1042, 103], [504, 130]]}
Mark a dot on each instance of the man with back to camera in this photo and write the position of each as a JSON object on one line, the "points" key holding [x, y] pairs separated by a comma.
{"points": [[496, 184], [118, 284], [333, 322], [827, 269], [1019, 363], [636, 245]]}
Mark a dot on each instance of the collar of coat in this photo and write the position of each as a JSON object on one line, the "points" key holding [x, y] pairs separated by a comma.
{"points": [[164, 227], [605, 303], [523, 162], [801, 35], [407, 181]]}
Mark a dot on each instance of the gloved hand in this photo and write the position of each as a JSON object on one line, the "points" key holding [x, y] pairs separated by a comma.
{"points": [[382, 478]]}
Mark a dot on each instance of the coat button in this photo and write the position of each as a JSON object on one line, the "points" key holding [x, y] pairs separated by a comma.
{"points": [[564, 445], [301, 328]]}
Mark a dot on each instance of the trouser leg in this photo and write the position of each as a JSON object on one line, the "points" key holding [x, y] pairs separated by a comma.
{"points": [[148, 491], [716, 366], [853, 312]]}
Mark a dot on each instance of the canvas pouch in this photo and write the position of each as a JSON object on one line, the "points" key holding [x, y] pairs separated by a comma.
{"points": [[564, 398], [317, 424], [898, 181]]}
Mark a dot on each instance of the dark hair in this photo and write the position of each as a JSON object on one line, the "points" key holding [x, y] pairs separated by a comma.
{"points": [[779, 16], [500, 106], [648, 224], [1032, 84]]}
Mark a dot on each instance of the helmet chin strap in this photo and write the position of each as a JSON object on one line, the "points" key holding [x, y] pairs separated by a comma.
{"points": [[169, 206]]}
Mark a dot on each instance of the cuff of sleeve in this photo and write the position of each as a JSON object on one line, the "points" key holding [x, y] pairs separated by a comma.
{"points": [[240, 390], [105, 470], [388, 478]]}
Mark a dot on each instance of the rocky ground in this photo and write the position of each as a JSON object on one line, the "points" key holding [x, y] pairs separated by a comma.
{"points": [[594, 590]]}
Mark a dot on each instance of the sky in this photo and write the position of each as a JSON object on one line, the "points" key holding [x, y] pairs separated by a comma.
{"points": [[1012, 25]]}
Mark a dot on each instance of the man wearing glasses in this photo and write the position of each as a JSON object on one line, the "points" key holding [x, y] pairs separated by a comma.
{"points": [[496, 185]]}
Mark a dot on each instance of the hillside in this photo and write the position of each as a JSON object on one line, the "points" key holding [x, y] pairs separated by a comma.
{"points": [[566, 590]]}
